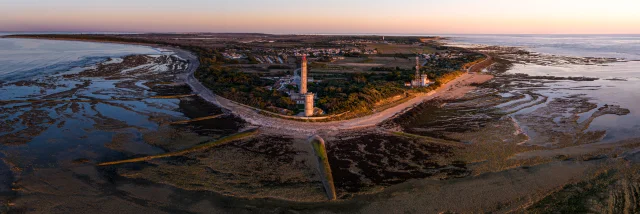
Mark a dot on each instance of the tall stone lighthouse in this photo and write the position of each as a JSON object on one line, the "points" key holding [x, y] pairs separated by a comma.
{"points": [[308, 96], [303, 76]]}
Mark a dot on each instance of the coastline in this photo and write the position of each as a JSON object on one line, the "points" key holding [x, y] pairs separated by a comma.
{"points": [[452, 89], [543, 171], [455, 88]]}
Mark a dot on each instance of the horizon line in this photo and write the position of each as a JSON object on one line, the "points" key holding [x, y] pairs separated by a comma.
{"points": [[313, 34]]}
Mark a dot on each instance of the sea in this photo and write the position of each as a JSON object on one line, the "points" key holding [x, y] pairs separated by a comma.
{"points": [[618, 82], [609, 46], [24, 58], [44, 61]]}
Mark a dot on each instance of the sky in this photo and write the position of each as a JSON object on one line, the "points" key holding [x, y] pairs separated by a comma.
{"points": [[325, 16]]}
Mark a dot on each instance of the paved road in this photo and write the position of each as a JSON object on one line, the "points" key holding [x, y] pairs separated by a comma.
{"points": [[254, 117]]}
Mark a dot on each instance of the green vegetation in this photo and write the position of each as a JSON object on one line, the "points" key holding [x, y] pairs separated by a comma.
{"points": [[318, 65], [356, 93], [391, 49], [442, 67], [278, 67], [367, 60], [246, 88], [219, 142]]}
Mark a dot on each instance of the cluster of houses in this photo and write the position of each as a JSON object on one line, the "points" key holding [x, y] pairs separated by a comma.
{"points": [[354, 41], [271, 59], [265, 58], [233, 55], [280, 56], [287, 83], [443, 55], [318, 52]]}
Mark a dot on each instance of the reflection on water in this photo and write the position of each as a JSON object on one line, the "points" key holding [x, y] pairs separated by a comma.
{"points": [[614, 46], [27, 56], [556, 100], [618, 85], [55, 122]]}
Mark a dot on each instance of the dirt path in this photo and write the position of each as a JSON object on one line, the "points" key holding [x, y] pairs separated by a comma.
{"points": [[455, 88]]}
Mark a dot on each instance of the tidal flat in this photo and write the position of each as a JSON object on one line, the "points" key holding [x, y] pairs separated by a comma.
{"points": [[522, 141], [525, 119]]}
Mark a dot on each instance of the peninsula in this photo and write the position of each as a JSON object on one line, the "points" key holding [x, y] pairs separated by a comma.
{"points": [[359, 81], [253, 123]]}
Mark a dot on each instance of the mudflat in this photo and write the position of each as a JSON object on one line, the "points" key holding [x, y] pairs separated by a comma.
{"points": [[521, 142]]}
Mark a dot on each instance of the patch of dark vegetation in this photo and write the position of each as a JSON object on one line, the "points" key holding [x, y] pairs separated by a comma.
{"points": [[6, 179], [278, 67], [612, 109], [433, 120], [28, 125], [575, 198], [110, 70], [170, 90], [595, 157], [500, 65], [38, 83], [182, 161], [81, 161], [275, 147], [246, 88], [363, 162], [196, 107]]}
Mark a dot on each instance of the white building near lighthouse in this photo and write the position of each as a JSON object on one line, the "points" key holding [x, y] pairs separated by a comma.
{"points": [[420, 79]]}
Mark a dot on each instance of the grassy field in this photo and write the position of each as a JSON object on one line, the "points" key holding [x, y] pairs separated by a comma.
{"points": [[400, 48], [363, 64]]}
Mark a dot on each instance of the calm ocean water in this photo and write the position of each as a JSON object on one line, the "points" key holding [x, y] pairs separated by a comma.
{"points": [[618, 83], [22, 58], [613, 46]]}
